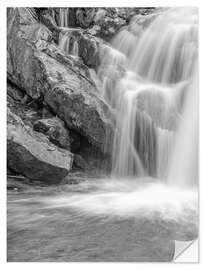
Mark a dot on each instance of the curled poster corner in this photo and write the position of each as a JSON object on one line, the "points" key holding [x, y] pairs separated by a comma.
{"points": [[186, 251]]}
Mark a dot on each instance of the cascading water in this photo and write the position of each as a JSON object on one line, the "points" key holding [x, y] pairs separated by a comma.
{"points": [[156, 70], [183, 167], [149, 78], [155, 102], [63, 17], [68, 44]]}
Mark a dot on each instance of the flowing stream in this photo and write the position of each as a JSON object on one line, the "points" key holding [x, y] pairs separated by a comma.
{"points": [[150, 78]]}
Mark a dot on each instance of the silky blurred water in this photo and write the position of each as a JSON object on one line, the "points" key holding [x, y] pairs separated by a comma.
{"points": [[148, 80], [100, 220]]}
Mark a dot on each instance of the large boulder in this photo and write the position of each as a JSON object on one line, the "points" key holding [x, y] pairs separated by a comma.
{"points": [[54, 129], [31, 154], [43, 71]]}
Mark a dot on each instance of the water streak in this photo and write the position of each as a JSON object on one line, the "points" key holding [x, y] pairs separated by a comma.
{"points": [[63, 17], [68, 43], [146, 79]]}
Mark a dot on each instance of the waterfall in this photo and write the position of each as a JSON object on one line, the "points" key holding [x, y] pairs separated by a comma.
{"points": [[165, 141], [68, 43], [183, 168], [63, 17], [147, 80], [75, 48]]}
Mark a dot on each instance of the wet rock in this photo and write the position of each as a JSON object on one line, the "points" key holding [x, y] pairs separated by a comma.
{"points": [[54, 129], [46, 18], [31, 154], [106, 22], [75, 139], [97, 163], [79, 162], [34, 66], [88, 45], [88, 50]]}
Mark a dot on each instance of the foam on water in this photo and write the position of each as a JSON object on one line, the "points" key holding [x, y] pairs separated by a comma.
{"points": [[126, 199]]}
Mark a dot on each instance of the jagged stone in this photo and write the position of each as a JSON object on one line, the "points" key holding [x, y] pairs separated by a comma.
{"points": [[31, 154], [35, 67], [106, 22], [54, 129]]}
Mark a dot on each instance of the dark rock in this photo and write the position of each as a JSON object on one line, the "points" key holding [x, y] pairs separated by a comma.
{"points": [[54, 129], [75, 139], [31, 154], [72, 17], [34, 66], [28, 112], [75, 177], [79, 162], [97, 163], [85, 16], [15, 93], [46, 112], [88, 50]]}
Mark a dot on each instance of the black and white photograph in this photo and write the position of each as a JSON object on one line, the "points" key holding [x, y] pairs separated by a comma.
{"points": [[102, 134]]}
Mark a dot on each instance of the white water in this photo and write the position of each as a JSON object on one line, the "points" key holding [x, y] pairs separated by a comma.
{"points": [[151, 83], [63, 17], [183, 167], [68, 44], [128, 200], [147, 79]]}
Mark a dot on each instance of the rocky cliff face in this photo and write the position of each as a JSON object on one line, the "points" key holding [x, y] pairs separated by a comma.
{"points": [[54, 92]]}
